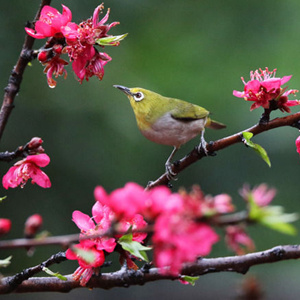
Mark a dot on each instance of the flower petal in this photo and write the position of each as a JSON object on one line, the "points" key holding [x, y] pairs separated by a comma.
{"points": [[83, 221]]}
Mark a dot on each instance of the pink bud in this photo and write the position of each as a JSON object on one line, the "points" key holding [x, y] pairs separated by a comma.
{"points": [[42, 56], [35, 143], [298, 144], [32, 225], [5, 225]]}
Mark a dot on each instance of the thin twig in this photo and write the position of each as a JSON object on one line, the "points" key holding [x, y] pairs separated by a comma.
{"points": [[15, 79]]}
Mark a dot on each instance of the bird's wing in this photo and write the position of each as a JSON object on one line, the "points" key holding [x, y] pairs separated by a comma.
{"points": [[188, 112]]}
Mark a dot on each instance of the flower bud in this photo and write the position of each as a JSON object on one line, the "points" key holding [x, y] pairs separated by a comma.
{"points": [[298, 144], [35, 143], [5, 225], [43, 56], [32, 225]]}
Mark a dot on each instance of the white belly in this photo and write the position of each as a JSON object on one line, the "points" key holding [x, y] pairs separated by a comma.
{"points": [[169, 131]]}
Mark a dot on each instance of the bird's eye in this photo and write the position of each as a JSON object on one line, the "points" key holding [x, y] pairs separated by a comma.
{"points": [[138, 96]]}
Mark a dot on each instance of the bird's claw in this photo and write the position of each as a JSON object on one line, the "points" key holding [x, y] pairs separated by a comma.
{"points": [[202, 148], [171, 175]]}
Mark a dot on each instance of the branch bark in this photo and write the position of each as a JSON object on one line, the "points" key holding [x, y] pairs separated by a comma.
{"points": [[15, 79], [194, 155], [124, 278]]}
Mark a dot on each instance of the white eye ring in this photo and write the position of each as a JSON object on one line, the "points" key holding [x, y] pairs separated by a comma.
{"points": [[138, 96]]}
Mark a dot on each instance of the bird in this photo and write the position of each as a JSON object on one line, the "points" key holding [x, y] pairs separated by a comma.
{"points": [[169, 121]]}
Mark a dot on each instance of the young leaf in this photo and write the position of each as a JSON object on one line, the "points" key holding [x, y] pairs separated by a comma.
{"points": [[111, 40], [5, 262], [257, 148], [59, 276], [2, 198], [87, 255], [189, 279], [133, 247]]}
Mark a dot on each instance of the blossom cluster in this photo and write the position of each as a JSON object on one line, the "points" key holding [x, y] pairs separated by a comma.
{"points": [[179, 235], [77, 40], [265, 89]]}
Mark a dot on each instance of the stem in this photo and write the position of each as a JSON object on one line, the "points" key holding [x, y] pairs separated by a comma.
{"points": [[15, 79]]}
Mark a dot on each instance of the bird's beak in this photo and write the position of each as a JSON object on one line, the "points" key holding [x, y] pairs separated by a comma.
{"points": [[124, 89]]}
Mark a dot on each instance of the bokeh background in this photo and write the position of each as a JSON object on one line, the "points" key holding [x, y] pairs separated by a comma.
{"points": [[193, 50]]}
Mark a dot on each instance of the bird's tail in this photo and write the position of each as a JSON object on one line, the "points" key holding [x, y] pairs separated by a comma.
{"points": [[214, 124]]}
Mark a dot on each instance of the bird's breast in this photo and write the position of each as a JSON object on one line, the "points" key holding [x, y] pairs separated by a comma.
{"points": [[169, 131]]}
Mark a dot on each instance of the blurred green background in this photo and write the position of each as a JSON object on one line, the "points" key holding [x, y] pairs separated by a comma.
{"points": [[193, 50]]}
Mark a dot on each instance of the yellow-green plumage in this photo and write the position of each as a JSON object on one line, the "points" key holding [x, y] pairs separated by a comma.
{"points": [[166, 120]]}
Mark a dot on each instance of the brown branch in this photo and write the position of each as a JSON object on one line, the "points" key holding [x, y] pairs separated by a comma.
{"points": [[122, 278], [15, 79], [220, 144]]}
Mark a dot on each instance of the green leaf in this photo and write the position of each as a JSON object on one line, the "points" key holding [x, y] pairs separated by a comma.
{"points": [[2, 198], [257, 148], [58, 275], [284, 228], [111, 40], [272, 217], [133, 247], [190, 279], [87, 255], [5, 262]]}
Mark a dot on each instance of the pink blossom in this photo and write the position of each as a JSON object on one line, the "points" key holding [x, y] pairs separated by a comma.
{"points": [[87, 61], [32, 225], [135, 223], [50, 22], [179, 240], [25, 169], [264, 87], [86, 269], [124, 202], [298, 144], [55, 67], [238, 240], [88, 227], [262, 195], [5, 226]]}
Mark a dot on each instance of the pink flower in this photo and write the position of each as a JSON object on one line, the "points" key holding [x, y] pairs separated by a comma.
{"points": [[262, 195], [264, 87], [298, 144], [124, 202], [32, 225], [25, 169], [87, 61], [179, 240], [136, 223], [5, 226], [50, 22], [96, 226], [55, 67], [238, 240], [86, 269]]}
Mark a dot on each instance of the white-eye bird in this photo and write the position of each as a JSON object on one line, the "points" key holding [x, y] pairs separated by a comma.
{"points": [[168, 121]]}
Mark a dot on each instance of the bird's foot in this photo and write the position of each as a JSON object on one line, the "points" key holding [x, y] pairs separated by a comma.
{"points": [[171, 175], [202, 148]]}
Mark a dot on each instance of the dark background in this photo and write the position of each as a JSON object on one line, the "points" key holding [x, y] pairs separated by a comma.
{"points": [[193, 50]]}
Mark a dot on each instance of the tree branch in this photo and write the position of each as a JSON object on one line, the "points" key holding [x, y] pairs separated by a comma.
{"points": [[15, 79], [193, 156], [124, 278]]}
